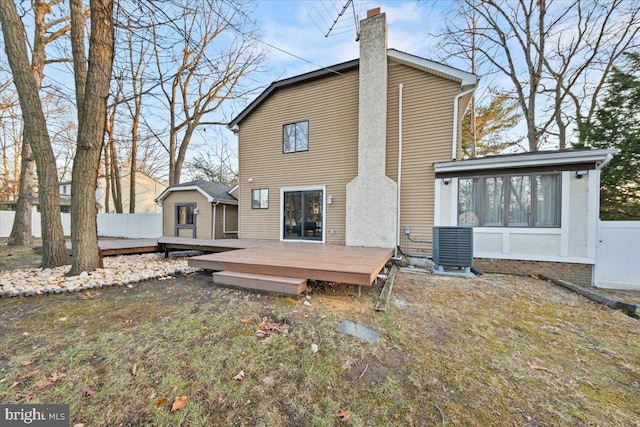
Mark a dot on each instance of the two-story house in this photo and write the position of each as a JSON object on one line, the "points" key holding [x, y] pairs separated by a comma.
{"points": [[345, 154], [367, 153]]}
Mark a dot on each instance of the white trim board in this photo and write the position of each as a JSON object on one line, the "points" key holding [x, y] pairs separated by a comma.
{"points": [[322, 188]]}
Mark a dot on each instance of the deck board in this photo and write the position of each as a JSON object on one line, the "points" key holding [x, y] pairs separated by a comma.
{"points": [[343, 264]]}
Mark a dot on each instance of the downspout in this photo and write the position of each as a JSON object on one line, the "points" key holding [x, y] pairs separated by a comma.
{"points": [[454, 149], [213, 225], [599, 166], [400, 87]]}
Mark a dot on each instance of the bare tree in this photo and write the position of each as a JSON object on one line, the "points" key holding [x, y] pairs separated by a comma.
{"points": [[27, 84], [217, 164], [92, 80], [138, 62], [10, 142], [45, 32], [209, 70], [556, 55], [578, 66]]}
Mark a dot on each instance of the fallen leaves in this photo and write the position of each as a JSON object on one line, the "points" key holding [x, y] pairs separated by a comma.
{"points": [[86, 392], [239, 377], [25, 362], [269, 327], [133, 369], [51, 380], [179, 403], [245, 320], [161, 400], [343, 415]]}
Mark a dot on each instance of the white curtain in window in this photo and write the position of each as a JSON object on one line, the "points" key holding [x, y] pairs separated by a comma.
{"points": [[493, 201], [468, 201], [547, 198], [519, 200]]}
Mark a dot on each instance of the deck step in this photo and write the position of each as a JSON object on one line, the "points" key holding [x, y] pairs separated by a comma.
{"points": [[261, 282]]}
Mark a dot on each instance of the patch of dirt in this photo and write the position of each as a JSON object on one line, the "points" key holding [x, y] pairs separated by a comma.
{"points": [[14, 257]]}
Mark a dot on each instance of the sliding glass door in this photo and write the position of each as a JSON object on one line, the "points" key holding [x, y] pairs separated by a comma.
{"points": [[302, 215]]}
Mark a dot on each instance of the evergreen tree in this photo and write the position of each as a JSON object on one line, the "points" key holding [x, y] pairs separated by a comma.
{"points": [[617, 125]]}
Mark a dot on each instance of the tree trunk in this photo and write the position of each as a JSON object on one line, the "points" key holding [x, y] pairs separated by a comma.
{"points": [[133, 165], [84, 231], [21, 229], [35, 131], [106, 179]]}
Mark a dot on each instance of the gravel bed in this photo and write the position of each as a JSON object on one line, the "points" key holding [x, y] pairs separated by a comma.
{"points": [[119, 270]]}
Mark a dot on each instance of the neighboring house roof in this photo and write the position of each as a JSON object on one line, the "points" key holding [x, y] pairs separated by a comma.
{"points": [[64, 201], [465, 79], [214, 191], [572, 159]]}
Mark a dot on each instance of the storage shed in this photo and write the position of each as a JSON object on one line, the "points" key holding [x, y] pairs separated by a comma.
{"points": [[200, 210]]}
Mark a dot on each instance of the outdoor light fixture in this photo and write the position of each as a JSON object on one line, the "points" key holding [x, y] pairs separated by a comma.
{"points": [[581, 173], [250, 180], [446, 181], [329, 200]]}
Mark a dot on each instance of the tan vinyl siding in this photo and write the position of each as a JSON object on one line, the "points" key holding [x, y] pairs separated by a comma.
{"points": [[331, 107], [232, 221], [427, 137], [203, 219], [231, 218]]}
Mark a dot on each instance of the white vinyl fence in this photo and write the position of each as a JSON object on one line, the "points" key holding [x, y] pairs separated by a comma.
{"points": [[7, 217], [132, 226], [618, 255]]}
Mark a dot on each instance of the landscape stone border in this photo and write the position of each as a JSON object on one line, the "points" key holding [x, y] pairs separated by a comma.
{"points": [[118, 271]]}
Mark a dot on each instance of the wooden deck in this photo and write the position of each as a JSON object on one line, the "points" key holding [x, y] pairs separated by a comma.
{"points": [[283, 260], [312, 261], [113, 247]]}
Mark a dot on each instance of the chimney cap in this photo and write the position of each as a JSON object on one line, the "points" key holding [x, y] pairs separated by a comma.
{"points": [[373, 12]]}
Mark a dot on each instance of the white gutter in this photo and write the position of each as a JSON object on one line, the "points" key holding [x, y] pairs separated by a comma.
{"points": [[526, 160], [399, 167], [605, 162], [454, 151]]}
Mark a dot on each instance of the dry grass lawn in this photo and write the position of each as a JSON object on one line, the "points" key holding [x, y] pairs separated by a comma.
{"points": [[492, 351]]}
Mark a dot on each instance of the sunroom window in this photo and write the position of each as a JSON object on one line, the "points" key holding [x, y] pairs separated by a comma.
{"points": [[527, 200]]}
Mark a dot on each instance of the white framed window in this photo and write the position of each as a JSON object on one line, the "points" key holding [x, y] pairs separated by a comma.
{"points": [[519, 200]]}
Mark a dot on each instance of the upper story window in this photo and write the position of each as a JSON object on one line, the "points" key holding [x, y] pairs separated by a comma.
{"points": [[295, 137], [510, 201], [260, 198]]}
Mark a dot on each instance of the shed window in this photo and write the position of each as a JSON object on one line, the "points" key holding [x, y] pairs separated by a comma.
{"points": [[295, 137], [185, 214], [260, 198], [528, 200]]}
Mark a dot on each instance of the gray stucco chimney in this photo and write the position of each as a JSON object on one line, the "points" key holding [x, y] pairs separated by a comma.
{"points": [[371, 196]]}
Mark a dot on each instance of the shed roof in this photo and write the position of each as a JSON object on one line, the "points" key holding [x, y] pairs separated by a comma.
{"points": [[215, 192], [464, 78]]}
